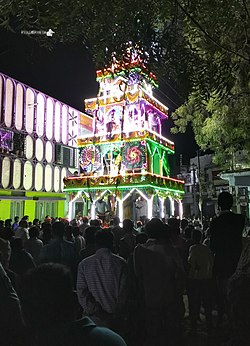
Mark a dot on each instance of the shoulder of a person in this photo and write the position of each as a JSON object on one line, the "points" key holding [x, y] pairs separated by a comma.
{"points": [[100, 336], [192, 248], [118, 258], [87, 260]]}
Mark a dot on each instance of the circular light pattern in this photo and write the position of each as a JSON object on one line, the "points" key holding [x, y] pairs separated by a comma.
{"points": [[90, 159], [134, 155]]}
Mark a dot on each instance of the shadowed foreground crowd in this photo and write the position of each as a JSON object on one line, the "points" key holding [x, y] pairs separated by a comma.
{"points": [[80, 284]]}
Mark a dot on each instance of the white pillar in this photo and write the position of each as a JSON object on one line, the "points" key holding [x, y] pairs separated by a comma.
{"points": [[171, 206], [162, 214], [150, 206], [180, 209], [92, 211], [120, 206]]}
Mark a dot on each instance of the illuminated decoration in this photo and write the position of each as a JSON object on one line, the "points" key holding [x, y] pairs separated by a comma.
{"points": [[134, 156], [127, 157], [90, 159]]}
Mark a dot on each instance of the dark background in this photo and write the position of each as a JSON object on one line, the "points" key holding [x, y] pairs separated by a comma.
{"points": [[67, 73]]}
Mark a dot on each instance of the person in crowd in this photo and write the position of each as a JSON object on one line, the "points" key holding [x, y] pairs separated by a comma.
{"points": [[79, 240], [188, 232], [102, 283], [47, 219], [68, 233], [84, 225], [1, 226], [16, 223], [22, 230], [207, 235], [238, 295], [73, 222], [90, 248], [36, 222], [33, 245], [25, 218], [160, 274], [11, 322], [96, 223], [139, 226], [118, 233], [59, 250], [199, 284], [8, 223], [177, 241], [128, 241], [135, 302], [46, 233], [7, 234], [49, 310], [20, 259], [5, 252], [183, 224], [226, 245]]}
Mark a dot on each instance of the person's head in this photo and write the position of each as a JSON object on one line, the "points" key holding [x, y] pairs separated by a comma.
{"points": [[138, 224], [90, 235], [26, 218], [36, 222], [183, 224], [68, 232], [85, 219], [154, 228], [95, 223], [76, 231], [141, 238], [196, 236], [175, 225], [58, 229], [73, 222], [8, 223], [128, 225], [5, 253], [16, 219], [34, 232], [47, 231], [188, 231], [48, 219], [23, 223], [1, 224], [104, 239], [167, 233], [225, 200], [47, 296], [116, 221], [17, 244]]}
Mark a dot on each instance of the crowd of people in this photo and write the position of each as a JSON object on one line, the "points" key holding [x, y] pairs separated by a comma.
{"points": [[80, 283]]}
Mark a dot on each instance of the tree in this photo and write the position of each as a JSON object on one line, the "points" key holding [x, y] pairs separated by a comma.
{"points": [[201, 47]]}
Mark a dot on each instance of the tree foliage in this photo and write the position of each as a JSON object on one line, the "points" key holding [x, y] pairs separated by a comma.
{"points": [[202, 47]]}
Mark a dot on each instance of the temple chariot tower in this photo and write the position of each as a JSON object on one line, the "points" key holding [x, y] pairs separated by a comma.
{"points": [[125, 162]]}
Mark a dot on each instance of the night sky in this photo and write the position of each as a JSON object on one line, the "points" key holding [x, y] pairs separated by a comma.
{"points": [[67, 73]]}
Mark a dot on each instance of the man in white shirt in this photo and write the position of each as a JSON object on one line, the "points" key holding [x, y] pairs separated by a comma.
{"points": [[102, 283]]}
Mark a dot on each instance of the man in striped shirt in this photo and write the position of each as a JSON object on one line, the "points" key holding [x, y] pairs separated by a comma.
{"points": [[102, 283]]}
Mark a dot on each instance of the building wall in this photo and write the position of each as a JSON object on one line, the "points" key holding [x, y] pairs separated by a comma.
{"points": [[42, 149]]}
